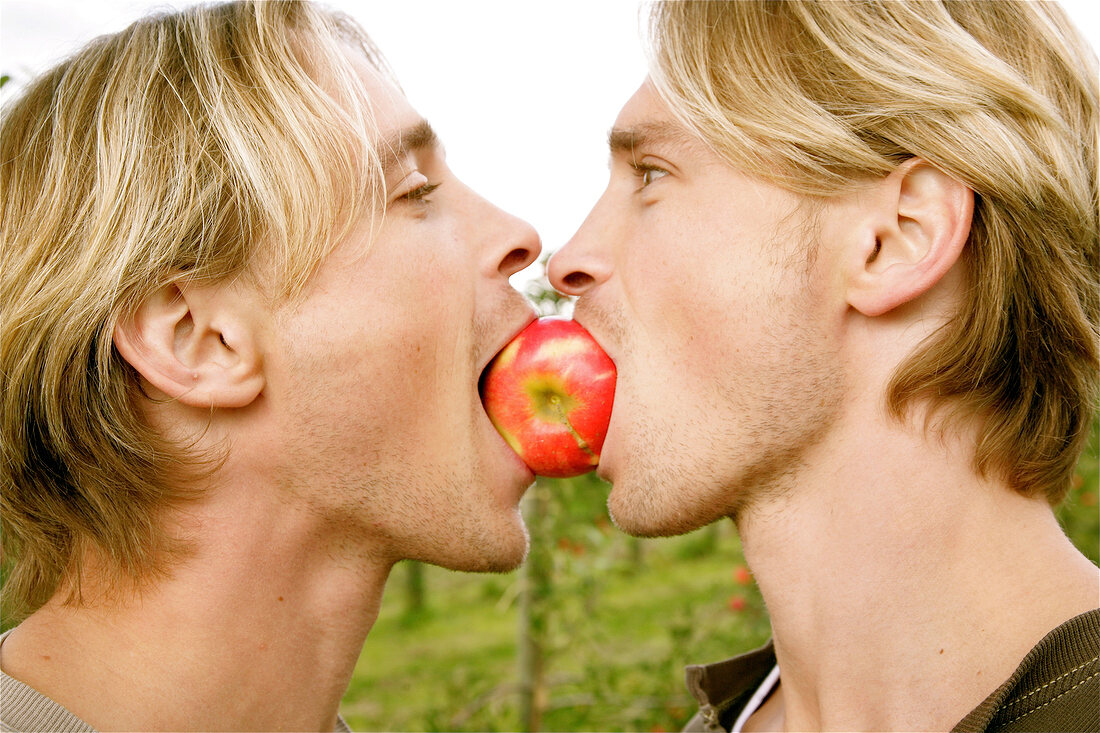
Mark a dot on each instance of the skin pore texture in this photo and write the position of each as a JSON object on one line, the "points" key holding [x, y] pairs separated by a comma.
{"points": [[754, 334], [353, 436]]}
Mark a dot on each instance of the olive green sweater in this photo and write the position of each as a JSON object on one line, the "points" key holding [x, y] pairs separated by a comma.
{"points": [[1055, 688]]}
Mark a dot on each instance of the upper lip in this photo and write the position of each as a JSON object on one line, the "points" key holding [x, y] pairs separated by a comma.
{"points": [[594, 333], [523, 321]]}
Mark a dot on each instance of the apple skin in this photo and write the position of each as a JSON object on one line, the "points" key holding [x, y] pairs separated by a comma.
{"points": [[549, 394]]}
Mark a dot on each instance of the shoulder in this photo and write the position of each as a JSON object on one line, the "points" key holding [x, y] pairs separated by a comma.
{"points": [[1055, 687], [26, 709]]}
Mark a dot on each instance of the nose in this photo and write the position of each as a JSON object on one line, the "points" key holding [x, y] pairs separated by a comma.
{"points": [[583, 263], [515, 244]]}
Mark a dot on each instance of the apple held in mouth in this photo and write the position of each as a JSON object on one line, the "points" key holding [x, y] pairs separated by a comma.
{"points": [[549, 394]]}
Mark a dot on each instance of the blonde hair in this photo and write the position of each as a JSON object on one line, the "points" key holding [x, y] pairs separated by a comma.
{"points": [[818, 96], [188, 146]]}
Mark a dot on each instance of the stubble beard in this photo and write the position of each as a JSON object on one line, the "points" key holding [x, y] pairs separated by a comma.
{"points": [[682, 472], [670, 486], [375, 508], [373, 505]]}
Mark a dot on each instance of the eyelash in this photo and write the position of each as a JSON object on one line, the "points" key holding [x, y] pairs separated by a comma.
{"points": [[642, 172], [420, 194]]}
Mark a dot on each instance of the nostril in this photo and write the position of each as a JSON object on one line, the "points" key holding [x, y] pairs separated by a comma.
{"points": [[578, 280], [515, 261]]}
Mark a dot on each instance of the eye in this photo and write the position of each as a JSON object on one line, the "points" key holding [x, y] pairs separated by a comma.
{"points": [[647, 173], [420, 193]]}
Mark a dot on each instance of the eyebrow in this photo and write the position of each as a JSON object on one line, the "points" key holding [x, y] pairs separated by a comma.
{"points": [[625, 140], [394, 147]]}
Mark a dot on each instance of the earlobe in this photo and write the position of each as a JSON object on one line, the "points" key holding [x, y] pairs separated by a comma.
{"points": [[917, 227], [193, 345]]}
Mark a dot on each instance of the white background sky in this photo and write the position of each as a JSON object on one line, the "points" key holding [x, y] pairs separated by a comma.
{"points": [[522, 92]]}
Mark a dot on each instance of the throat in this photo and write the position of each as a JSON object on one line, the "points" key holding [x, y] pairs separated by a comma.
{"points": [[961, 588]]}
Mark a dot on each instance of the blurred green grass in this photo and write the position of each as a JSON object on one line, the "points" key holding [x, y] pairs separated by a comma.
{"points": [[628, 614]]}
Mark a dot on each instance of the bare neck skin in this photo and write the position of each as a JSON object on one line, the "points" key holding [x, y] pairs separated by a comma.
{"points": [[903, 589], [259, 631]]}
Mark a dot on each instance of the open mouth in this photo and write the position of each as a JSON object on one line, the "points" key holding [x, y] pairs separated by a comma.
{"points": [[496, 355], [481, 383], [549, 393]]}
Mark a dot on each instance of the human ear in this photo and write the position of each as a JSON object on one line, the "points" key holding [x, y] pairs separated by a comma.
{"points": [[194, 344], [918, 223]]}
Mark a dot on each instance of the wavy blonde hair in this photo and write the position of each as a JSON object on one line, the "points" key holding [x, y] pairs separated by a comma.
{"points": [[815, 96], [187, 146]]}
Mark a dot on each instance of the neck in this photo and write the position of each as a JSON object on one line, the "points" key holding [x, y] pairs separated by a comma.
{"points": [[894, 575], [259, 630]]}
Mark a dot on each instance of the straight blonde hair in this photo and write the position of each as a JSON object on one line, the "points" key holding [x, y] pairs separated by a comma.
{"points": [[188, 146], [817, 97]]}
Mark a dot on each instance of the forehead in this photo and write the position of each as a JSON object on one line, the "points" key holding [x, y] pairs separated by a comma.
{"points": [[645, 105], [645, 119], [392, 111]]}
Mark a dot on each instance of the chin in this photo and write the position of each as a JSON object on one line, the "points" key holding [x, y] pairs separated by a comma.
{"points": [[512, 550], [628, 519], [497, 550], [658, 509]]}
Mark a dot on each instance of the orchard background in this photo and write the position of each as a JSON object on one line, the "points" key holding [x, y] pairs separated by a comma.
{"points": [[614, 618], [594, 631]]}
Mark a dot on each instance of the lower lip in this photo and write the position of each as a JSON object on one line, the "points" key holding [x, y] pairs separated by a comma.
{"points": [[524, 476], [605, 469]]}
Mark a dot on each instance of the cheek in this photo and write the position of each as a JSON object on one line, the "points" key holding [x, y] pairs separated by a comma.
{"points": [[691, 305], [391, 360]]}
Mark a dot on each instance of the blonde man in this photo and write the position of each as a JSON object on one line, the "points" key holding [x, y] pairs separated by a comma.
{"points": [[245, 309], [846, 265]]}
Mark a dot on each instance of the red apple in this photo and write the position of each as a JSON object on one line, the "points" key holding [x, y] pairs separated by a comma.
{"points": [[549, 394], [742, 575], [737, 603]]}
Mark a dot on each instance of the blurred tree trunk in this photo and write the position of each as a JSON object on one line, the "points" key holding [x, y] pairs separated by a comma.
{"points": [[637, 554], [414, 587], [713, 534], [534, 608]]}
